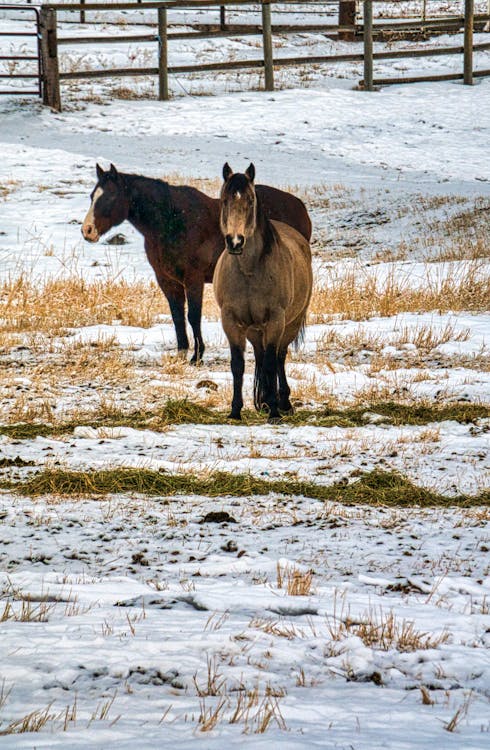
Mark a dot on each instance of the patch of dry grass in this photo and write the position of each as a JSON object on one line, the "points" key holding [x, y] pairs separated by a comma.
{"points": [[424, 337], [374, 488], [63, 303], [362, 293]]}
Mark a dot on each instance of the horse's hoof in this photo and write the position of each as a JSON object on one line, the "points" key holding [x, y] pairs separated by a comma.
{"points": [[274, 420], [286, 410], [197, 362], [235, 416]]}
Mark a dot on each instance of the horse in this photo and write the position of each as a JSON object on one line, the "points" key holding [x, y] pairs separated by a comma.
{"points": [[262, 284], [182, 235]]}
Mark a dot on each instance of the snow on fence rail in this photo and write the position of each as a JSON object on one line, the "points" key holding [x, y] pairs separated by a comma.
{"points": [[50, 44]]}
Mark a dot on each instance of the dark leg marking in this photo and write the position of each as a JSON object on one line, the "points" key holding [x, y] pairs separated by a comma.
{"points": [[176, 300], [237, 369], [284, 389], [269, 379], [194, 303]]}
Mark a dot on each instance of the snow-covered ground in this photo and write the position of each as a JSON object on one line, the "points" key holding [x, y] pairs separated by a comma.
{"points": [[153, 618], [129, 621]]}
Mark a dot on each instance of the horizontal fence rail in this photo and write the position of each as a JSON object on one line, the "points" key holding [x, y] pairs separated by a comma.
{"points": [[368, 31]]}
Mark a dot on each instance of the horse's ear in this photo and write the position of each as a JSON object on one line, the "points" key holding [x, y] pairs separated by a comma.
{"points": [[227, 171], [113, 172], [99, 171], [250, 172]]}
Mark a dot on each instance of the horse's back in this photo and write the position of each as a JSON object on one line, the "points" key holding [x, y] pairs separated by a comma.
{"points": [[278, 205]]}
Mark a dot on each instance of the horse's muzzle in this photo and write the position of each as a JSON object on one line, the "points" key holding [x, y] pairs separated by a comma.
{"points": [[234, 244], [90, 233]]}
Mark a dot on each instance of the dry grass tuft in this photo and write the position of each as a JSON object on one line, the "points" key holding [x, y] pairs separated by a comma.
{"points": [[277, 627], [386, 632], [255, 713], [295, 581], [209, 717], [34, 721], [460, 713], [382, 631], [215, 683], [28, 612]]}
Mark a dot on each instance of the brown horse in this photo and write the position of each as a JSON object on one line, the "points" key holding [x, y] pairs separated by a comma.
{"points": [[262, 284], [182, 235]]}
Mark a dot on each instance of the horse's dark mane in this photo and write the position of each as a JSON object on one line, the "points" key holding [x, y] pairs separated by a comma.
{"points": [[150, 204], [269, 236]]}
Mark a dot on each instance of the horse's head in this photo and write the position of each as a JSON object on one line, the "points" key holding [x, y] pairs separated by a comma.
{"points": [[109, 204], [238, 216]]}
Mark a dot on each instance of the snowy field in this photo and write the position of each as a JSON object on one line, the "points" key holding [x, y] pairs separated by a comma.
{"points": [[208, 618]]}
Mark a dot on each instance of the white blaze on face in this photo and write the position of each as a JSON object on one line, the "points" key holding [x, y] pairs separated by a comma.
{"points": [[88, 229]]}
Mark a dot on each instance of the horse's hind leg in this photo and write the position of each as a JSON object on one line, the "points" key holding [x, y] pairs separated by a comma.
{"points": [[255, 338], [194, 310], [176, 300], [284, 389], [273, 334]]}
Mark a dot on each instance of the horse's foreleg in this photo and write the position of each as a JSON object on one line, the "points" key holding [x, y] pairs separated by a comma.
{"points": [[194, 310], [236, 338], [176, 299], [237, 369], [284, 389]]}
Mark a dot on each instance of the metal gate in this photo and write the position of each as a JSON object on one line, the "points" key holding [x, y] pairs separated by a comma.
{"points": [[23, 74]]}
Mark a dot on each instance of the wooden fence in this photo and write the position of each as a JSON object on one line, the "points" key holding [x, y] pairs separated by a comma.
{"points": [[50, 46]]}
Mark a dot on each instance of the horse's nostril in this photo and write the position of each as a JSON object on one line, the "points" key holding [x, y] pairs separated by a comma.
{"points": [[239, 240]]}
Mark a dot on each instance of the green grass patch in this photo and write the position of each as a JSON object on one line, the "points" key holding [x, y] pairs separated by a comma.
{"points": [[184, 411], [373, 488]]}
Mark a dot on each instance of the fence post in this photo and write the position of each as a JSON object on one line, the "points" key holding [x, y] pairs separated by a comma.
{"points": [[49, 57], [162, 55], [82, 12], [469, 10], [222, 17], [347, 17], [267, 43], [368, 45]]}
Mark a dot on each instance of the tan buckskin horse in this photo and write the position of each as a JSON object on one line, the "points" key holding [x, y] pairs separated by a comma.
{"points": [[183, 241], [262, 284]]}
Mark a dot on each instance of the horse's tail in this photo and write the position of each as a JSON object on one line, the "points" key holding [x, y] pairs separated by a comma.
{"points": [[300, 336]]}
